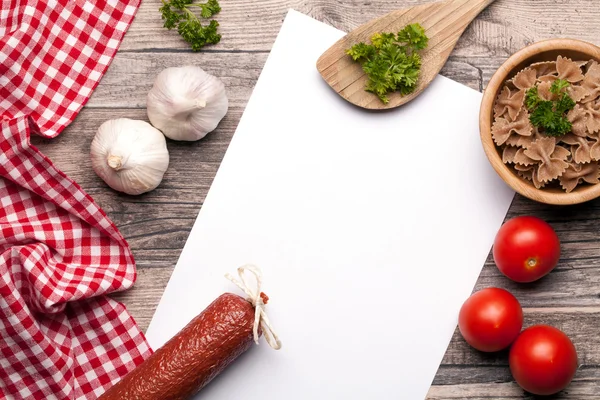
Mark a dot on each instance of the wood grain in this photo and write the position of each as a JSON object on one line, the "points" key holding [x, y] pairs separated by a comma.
{"points": [[157, 224], [250, 26], [444, 22]]}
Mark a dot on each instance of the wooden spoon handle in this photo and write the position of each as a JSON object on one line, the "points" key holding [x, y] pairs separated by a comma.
{"points": [[453, 16], [471, 8], [444, 23]]}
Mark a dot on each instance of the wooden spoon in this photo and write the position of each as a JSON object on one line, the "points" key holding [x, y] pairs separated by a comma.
{"points": [[444, 23]]}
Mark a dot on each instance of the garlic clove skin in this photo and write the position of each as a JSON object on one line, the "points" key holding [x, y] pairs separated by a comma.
{"points": [[186, 103], [130, 156]]}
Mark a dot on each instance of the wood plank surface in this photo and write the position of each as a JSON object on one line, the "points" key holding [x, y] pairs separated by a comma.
{"points": [[157, 224]]}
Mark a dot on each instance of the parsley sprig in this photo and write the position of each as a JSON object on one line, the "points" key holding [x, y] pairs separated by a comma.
{"points": [[551, 115], [178, 13], [392, 61]]}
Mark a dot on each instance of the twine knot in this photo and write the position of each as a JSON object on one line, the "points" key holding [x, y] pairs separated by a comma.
{"points": [[258, 301]]}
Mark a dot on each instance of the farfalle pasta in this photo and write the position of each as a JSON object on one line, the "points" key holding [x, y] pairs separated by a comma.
{"points": [[592, 111], [591, 81], [581, 148], [544, 91], [525, 79], [578, 119], [569, 70], [547, 123], [577, 173], [551, 159], [503, 128], [509, 103]]}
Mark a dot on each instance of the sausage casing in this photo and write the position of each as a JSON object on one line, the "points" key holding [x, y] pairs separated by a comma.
{"points": [[192, 358]]}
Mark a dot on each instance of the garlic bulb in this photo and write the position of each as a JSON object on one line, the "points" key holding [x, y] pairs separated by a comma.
{"points": [[186, 103], [130, 156]]}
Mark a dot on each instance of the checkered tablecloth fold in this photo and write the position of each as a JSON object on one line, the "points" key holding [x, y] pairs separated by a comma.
{"points": [[57, 246], [53, 54], [60, 336]]}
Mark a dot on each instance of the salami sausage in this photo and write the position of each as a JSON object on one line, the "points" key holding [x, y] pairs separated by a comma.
{"points": [[191, 359]]}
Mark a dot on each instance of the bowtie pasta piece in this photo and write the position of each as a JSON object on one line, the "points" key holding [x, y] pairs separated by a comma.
{"points": [[595, 149], [581, 148], [578, 118], [576, 173], [523, 141], [525, 79], [577, 93], [592, 82], [551, 157], [530, 173], [569, 70], [502, 128], [592, 111], [523, 159], [508, 102], [508, 154], [545, 68], [545, 93]]}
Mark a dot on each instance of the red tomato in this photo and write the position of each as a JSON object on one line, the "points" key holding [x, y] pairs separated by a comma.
{"points": [[543, 360], [526, 249], [491, 319]]}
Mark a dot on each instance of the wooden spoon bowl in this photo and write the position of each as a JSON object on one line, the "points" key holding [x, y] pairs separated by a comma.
{"points": [[444, 23], [547, 50]]}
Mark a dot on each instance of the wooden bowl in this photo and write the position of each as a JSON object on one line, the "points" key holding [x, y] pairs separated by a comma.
{"points": [[547, 50]]}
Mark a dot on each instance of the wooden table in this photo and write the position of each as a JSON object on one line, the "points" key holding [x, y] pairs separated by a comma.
{"points": [[157, 224]]}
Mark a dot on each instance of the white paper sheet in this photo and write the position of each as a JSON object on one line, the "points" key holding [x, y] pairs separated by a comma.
{"points": [[370, 228]]}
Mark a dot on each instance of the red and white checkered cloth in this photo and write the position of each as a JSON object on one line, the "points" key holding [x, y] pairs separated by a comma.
{"points": [[60, 337]]}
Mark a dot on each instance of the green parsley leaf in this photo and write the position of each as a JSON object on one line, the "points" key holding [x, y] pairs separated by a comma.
{"points": [[210, 8], [543, 115], [558, 85], [564, 104], [380, 40], [170, 17], [361, 51], [532, 98], [180, 4], [177, 13], [197, 35], [551, 116], [414, 36], [391, 61]]}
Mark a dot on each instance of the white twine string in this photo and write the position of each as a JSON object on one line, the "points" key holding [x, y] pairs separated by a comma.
{"points": [[257, 302]]}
